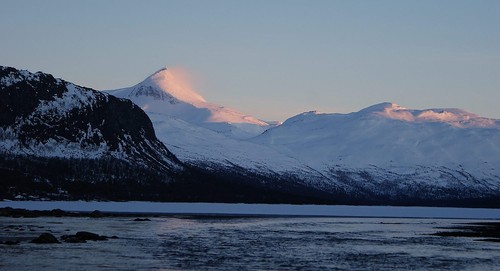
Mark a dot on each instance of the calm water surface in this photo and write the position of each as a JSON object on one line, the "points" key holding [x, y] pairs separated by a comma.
{"points": [[251, 243]]}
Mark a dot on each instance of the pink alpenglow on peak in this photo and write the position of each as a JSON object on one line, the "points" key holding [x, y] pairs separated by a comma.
{"points": [[173, 82], [168, 92], [453, 116]]}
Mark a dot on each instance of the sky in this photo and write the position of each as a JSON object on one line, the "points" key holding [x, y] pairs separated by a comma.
{"points": [[269, 58]]}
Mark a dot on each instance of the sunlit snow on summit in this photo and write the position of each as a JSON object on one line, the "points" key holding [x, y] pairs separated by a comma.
{"points": [[453, 116], [174, 81], [169, 92]]}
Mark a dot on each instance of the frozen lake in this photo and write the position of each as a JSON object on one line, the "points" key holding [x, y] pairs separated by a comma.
{"points": [[248, 243]]}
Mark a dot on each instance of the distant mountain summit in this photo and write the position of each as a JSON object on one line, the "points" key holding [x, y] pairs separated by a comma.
{"points": [[453, 116], [163, 85], [388, 151], [164, 93], [388, 135]]}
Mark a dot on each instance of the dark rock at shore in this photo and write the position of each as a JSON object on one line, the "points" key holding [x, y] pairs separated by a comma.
{"points": [[17, 212], [90, 236], [58, 213], [84, 236], [11, 212], [45, 238], [96, 214]]}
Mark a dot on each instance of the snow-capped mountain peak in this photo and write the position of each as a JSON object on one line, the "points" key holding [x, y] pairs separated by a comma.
{"points": [[168, 93], [165, 85]]}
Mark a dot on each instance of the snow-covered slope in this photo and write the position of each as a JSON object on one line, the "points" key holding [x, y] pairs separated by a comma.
{"points": [[164, 93], [387, 149], [207, 149]]}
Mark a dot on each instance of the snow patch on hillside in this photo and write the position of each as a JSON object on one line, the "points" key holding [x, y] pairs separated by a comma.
{"points": [[74, 98], [16, 77], [53, 147]]}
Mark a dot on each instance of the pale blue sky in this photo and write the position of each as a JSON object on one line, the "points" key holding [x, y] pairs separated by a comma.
{"points": [[272, 59]]}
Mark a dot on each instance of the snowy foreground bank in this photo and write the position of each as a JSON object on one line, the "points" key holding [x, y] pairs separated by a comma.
{"points": [[257, 209]]}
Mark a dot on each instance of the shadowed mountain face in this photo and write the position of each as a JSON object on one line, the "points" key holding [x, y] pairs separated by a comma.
{"points": [[48, 117], [56, 136]]}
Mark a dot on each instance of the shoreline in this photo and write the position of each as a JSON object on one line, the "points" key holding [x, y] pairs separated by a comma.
{"points": [[152, 209], [486, 230]]}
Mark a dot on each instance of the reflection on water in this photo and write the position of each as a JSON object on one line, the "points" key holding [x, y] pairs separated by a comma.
{"points": [[278, 243]]}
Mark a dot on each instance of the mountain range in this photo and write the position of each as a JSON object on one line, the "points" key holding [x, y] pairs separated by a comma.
{"points": [[187, 149]]}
